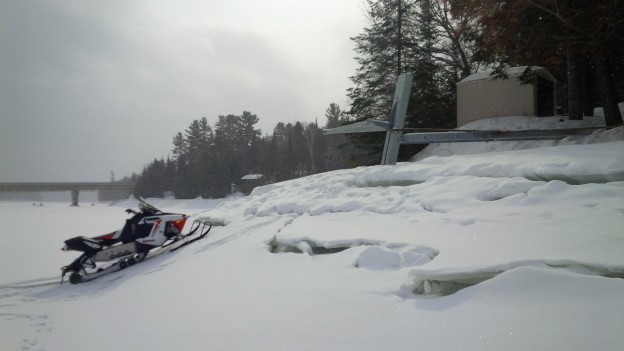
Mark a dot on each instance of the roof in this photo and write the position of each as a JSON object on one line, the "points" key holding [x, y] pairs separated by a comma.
{"points": [[357, 127], [510, 71], [252, 177]]}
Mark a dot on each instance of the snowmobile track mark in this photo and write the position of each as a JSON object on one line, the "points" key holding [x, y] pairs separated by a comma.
{"points": [[237, 234], [29, 284], [37, 323]]}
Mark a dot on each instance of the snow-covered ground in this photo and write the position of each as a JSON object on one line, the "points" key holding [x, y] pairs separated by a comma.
{"points": [[521, 249]]}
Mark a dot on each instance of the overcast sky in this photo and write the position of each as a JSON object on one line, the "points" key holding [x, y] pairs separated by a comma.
{"points": [[88, 86]]}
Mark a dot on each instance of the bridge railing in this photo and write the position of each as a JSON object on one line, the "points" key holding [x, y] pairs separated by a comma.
{"points": [[74, 188]]}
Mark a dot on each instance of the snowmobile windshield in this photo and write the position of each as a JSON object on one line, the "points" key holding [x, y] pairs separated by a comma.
{"points": [[148, 209]]}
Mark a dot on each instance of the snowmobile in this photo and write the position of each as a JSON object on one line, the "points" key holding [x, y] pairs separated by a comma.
{"points": [[147, 229]]}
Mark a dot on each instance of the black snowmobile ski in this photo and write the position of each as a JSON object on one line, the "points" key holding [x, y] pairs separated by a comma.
{"points": [[205, 228], [80, 274]]}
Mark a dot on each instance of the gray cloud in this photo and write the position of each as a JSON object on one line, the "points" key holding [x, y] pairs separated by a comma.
{"points": [[89, 87]]}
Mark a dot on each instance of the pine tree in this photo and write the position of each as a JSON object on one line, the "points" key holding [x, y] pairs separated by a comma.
{"points": [[334, 116], [383, 52], [335, 148], [153, 180], [180, 146], [249, 138], [431, 102], [279, 149], [198, 136], [420, 37]]}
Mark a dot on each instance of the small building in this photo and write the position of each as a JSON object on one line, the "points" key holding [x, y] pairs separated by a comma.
{"points": [[482, 96], [250, 181]]}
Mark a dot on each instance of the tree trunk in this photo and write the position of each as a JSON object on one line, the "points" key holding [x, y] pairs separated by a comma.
{"points": [[575, 109], [587, 87], [608, 92]]}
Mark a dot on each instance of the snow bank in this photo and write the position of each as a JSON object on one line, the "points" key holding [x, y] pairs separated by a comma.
{"points": [[510, 250], [523, 123], [595, 163]]}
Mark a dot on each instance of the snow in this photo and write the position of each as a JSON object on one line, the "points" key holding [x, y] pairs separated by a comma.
{"points": [[252, 177], [600, 135], [510, 71], [510, 248]]}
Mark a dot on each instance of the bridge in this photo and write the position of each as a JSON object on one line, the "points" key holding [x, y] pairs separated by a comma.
{"points": [[74, 188]]}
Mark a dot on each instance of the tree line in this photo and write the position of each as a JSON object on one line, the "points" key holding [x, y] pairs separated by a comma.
{"points": [[439, 42], [206, 160]]}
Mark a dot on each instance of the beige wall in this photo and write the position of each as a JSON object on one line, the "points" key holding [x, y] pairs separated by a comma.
{"points": [[494, 98]]}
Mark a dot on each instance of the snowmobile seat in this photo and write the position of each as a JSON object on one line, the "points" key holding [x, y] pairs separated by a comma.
{"points": [[84, 244]]}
